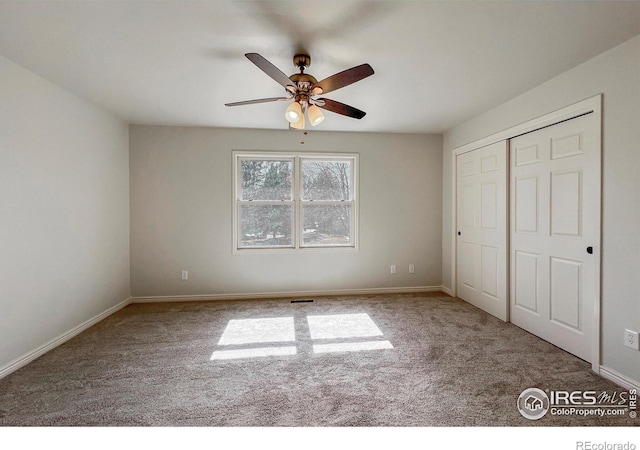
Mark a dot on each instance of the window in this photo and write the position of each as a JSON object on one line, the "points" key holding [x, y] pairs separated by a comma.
{"points": [[294, 201]]}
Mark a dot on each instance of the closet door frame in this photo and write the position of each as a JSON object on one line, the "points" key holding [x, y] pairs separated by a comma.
{"points": [[591, 105]]}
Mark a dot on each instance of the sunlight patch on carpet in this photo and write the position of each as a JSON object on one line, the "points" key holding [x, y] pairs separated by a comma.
{"points": [[253, 352], [340, 326], [351, 346], [272, 336], [252, 331]]}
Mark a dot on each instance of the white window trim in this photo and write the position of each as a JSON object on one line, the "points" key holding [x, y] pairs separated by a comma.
{"points": [[296, 203]]}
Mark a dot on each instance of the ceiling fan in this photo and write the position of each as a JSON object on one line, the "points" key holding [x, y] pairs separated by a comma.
{"points": [[304, 89]]}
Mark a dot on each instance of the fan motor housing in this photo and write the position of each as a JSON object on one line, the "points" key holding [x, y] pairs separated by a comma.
{"points": [[303, 78]]}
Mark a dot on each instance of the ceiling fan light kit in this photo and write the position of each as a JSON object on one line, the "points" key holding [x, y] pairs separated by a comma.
{"points": [[315, 115], [299, 125], [303, 89], [293, 112]]}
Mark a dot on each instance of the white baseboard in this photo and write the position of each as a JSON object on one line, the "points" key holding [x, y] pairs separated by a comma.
{"points": [[286, 294], [619, 379], [447, 291], [27, 358]]}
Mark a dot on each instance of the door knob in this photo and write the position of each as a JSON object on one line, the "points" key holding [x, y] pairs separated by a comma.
{"points": [[459, 233], [590, 250]]}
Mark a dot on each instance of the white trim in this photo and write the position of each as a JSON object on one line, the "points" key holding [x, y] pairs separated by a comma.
{"points": [[597, 324], [618, 378], [590, 105], [447, 291], [36, 353], [285, 294]]}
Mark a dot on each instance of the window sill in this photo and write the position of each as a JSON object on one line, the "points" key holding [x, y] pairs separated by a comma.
{"points": [[292, 250]]}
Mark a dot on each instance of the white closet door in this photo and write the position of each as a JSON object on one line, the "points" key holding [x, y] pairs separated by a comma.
{"points": [[555, 214], [482, 228]]}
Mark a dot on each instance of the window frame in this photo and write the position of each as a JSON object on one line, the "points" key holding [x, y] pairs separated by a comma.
{"points": [[296, 202]]}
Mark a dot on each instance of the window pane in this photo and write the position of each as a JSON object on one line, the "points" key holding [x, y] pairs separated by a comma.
{"points": [[326, 180], [265, 179], [326, 225], [265, 225]]}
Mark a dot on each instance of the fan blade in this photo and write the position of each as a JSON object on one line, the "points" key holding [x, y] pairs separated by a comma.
{"points": [[269, 69], [341, 108], [344, 78], [259, 100]]}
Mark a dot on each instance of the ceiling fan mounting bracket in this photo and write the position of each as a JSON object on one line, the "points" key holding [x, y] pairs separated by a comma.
{"points": [[302, 61]]}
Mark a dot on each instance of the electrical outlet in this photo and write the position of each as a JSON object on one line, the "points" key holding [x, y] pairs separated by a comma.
{"points": [[185, 275], [393, 268], [412, 268], [631, 339]]}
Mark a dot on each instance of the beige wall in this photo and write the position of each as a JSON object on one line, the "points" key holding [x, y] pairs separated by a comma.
{"points": [[64, 214], [181, 206], [615, 74]]}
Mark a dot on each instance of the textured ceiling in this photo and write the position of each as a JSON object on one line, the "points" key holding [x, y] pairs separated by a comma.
{"points": [[437, 64]]}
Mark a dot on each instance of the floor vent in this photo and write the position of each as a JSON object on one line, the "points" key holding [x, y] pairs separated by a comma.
{"points": [[302, 301]]}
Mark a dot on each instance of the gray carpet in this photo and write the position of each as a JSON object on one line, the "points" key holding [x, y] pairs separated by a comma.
{"points": [[150, 365]]}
